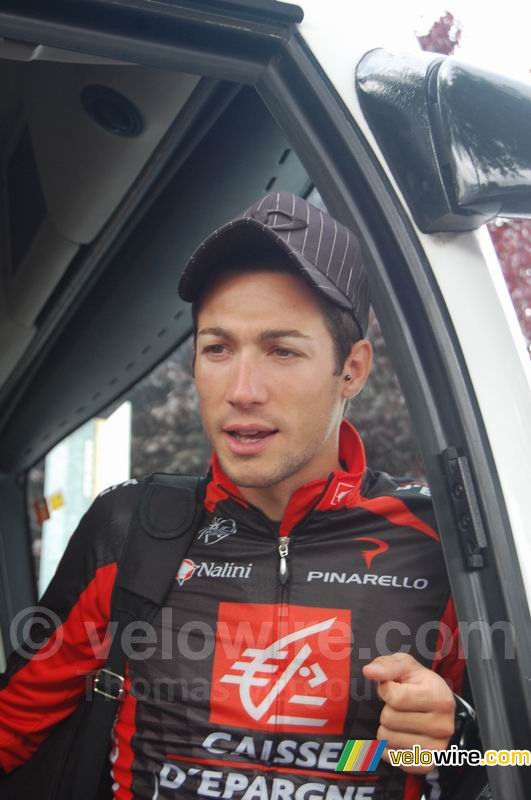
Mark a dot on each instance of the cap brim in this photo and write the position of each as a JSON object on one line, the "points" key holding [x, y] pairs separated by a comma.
{"points": [[230, 242]]}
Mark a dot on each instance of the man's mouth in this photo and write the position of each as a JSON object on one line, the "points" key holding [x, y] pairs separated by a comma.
{"points": [[250, 436], [247, 435]]}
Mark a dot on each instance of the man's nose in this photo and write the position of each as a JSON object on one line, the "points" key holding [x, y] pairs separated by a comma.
{"points": [[246, 384]]}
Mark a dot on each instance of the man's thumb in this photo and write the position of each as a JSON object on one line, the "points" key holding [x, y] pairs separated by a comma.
{"points": [[396, 667]]}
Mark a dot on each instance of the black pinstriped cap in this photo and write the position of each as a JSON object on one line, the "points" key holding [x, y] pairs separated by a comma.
{"points": [[322, 249]]}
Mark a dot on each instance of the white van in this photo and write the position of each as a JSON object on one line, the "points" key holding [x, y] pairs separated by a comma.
{"points": [[129, 129]]}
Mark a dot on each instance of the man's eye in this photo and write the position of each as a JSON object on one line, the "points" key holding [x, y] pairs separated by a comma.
{"points": [[214, 349], [284, 353]]}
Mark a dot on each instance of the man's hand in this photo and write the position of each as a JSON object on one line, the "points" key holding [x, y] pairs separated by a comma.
{"points": [[419, 706]]}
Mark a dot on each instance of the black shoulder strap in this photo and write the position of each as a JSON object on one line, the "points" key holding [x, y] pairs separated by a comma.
{"points": [[159, 534], [160, 531]]}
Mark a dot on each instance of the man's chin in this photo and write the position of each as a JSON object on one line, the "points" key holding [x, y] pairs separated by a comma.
{"points": [[251, 479], [251, 476]]}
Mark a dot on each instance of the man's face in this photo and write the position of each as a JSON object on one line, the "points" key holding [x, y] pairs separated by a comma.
{"points": [[264, 370]]}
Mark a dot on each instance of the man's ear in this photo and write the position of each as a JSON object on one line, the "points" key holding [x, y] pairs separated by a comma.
{"points": [[356, 369]]}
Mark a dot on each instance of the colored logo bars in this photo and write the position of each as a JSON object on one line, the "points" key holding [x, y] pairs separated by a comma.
{"points": [[361, 755]]}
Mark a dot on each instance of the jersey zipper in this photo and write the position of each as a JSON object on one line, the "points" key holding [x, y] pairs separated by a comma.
{"points": [[283, 541], [283, 551], [284, 554], [282, 619]]}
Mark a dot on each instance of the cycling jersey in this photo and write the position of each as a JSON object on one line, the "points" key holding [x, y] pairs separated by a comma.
{"points": [[249, 684]]}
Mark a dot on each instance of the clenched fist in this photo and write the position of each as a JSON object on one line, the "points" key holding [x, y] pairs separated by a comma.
{"points": [[419, 706]]}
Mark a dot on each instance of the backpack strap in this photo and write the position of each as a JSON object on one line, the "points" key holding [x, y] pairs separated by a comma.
{"points": [[161, 529], [160, 532]]}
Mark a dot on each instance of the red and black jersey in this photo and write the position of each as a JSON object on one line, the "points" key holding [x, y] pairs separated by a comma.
{"points": [[248, 685]]}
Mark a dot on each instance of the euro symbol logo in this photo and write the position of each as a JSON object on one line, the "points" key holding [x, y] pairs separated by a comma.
{"points": [[263, 669]]}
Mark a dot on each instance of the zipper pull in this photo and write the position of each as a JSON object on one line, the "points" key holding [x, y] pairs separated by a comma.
{"points": [[283, 545]]}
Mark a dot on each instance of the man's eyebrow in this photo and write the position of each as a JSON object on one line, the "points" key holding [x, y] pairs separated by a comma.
{"points": [[223, 334], [282, 333], [264, 336]]}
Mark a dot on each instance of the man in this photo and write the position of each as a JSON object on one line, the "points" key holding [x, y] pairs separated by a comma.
{"points": [[310, 574]]}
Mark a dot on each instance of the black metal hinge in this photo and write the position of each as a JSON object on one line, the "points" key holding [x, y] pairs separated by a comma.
{"points": [[465, 507]]}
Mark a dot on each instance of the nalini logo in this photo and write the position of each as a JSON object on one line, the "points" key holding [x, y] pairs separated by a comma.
{"points": [[342, 491], [281, 668], [369, 553], [186, 571], [211, 569], [217, 530]]}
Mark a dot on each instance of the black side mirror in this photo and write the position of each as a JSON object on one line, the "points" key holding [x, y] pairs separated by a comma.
{"points": [[457, 138]]}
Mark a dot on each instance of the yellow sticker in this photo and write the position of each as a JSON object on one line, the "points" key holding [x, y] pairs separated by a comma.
{"points": [[56, 500]]}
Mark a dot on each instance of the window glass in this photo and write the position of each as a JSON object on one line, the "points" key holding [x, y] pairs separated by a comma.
{"points": [[167, 435], [76, 470], [154, 428]]}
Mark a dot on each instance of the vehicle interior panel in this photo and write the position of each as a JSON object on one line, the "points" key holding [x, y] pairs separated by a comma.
{"points": [[63, 174], [103, 353], [17, 582]]}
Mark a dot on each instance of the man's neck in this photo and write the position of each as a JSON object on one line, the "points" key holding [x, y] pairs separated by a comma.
{"points": [[273, 500]]}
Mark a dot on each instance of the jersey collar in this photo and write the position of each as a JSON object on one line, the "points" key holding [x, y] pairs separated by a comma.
{"points": [[339, 490]]}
